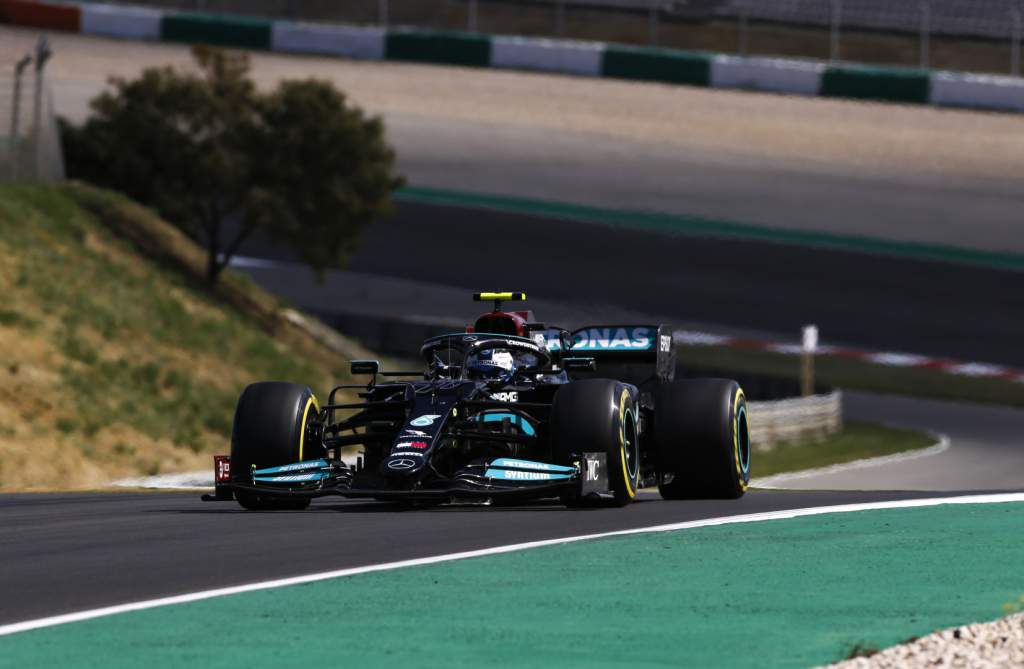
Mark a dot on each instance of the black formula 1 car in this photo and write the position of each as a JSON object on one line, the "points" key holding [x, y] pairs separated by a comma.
{"points": [[508, 410]]}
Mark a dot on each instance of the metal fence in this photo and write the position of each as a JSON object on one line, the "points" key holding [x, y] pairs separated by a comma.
{"points": [[658, 22], [969, 18], [997, 20], [30, 147]]}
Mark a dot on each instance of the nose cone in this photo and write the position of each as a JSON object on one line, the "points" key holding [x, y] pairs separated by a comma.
{"points": [[403, 464]]}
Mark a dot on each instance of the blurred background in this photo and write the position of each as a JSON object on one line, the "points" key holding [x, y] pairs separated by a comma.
{"points": [[980, 36]]}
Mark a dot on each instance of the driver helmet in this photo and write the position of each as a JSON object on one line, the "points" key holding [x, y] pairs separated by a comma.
{"points": [[491, 363]]}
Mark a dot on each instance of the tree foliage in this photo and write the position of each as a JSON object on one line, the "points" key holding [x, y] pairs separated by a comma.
{"points": [[221, 159]]}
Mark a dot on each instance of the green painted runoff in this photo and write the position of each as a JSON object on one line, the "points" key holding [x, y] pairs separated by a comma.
{"points": [[784, 593], [700, 227]]}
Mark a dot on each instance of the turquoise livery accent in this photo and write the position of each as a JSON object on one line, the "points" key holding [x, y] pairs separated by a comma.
{"points": [[512, 469], [516, 420], [627, 338], [294, 467], [516, 463], [523, 475], [307, 477]]}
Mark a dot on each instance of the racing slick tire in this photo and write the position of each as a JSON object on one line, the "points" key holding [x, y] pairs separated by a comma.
{"points": [[599, 415], [702, 439], [276, 423]]}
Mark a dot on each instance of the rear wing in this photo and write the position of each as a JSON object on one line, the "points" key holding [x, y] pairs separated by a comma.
{"points": [[642, 355]]}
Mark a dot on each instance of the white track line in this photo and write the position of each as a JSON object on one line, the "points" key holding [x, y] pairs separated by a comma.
{"points": [[779, 480], [497, 550]]}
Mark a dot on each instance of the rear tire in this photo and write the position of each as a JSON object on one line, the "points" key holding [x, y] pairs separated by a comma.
{"points": [[703, 440], [599, 415], [276, 424]]}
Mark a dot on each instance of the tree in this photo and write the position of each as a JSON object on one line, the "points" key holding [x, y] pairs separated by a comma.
{"points": [[221, 160]]}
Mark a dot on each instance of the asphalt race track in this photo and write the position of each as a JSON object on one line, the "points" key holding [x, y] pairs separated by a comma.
{"points": [[70, 552], [74, 551], [985, 449], [901, 189], [882, 170], [872, 301]]}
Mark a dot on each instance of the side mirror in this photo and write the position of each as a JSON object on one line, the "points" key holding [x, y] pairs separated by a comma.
{"points": [[579, 364], [365, 367]]}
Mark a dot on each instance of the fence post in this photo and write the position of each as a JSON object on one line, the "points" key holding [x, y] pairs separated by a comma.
{"points": [[471, 22], [926, 33], [382, 12], [1015, 42], [12, 141], [652, 22], [43, 54], [743, 18], [835, 18], [809, 346]]}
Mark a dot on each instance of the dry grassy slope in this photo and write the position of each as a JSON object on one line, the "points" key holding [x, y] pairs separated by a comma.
{"points": [[112, 364]]}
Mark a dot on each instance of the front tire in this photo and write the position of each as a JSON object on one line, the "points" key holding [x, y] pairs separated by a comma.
{"points": [[599, 415], [276, 423], [703, 440]]}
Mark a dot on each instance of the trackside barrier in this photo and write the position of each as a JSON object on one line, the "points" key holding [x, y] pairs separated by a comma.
{"points": [[232, 31], [344, 41], [797, 419], [777, 75], [121, 21], [774, 75], [665, 65], [875, 83], [48, 16], [449, 48], [521, 53], [956, 89]]}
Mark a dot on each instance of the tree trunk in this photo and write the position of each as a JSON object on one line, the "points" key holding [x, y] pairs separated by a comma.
{"points": [[213, 263], [213, 266]]}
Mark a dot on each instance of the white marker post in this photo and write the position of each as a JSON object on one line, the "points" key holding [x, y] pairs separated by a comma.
{"points": [[810, 347]]}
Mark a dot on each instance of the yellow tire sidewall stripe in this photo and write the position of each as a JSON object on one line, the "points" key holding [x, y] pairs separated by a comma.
{"points": [[736, 437], [311, 402], [630, 488]]}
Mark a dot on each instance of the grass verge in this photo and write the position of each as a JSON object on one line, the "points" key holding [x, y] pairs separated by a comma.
{"points": [[115, 365], [858, 375], [857, 440]]}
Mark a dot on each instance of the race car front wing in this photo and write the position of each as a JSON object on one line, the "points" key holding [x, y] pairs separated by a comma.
{"points": [[501, 478]]}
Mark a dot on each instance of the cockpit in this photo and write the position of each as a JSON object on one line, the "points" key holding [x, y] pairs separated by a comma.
{"points": [[484, 357]]}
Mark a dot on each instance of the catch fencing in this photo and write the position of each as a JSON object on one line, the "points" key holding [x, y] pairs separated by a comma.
{"points": [[998, 21], [30, 149], [482, 49]]}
